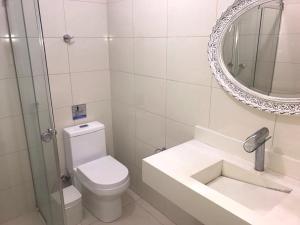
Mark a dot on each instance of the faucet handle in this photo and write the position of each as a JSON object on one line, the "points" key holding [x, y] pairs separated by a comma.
{"points": [[256, 140], [251, 147]]}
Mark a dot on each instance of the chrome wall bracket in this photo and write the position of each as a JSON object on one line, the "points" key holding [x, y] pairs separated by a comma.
{"points": [[48, 135], [68, 38]]}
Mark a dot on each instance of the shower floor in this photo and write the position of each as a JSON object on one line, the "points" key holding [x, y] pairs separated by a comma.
{"points": [[33, 218]]}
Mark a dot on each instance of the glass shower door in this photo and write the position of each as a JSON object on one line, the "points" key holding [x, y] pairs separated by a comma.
{"points": [[31, 69]]}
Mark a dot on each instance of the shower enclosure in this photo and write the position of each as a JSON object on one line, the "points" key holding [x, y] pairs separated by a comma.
{"points": [[26, 41]]}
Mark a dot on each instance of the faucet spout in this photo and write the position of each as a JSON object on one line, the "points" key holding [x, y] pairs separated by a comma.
{"points": [[260, 158], [256, 142]]}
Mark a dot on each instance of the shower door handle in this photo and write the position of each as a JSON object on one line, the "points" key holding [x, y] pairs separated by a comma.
{"points": [[48, 135]]}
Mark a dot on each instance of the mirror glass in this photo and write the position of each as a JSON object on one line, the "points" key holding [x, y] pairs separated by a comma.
{"points": [[261, 49]]}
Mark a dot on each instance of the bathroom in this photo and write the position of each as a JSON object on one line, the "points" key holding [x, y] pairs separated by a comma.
{"points": [[143, 85]]}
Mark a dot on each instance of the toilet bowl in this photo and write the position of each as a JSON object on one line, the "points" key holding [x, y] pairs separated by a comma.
{"points": [[102, 190], [100, 178]]}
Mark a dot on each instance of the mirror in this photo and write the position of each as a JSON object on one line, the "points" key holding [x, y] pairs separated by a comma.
{"points": [[254, 53]]}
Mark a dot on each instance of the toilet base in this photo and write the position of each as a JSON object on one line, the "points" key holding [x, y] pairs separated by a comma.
{"points": [[105, 208]]}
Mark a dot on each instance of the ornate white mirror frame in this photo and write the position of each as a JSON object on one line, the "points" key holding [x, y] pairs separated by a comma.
{"points": [[278, 105]]}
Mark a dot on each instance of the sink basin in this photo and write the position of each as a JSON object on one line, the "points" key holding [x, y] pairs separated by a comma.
{"points": [[245, 187]]}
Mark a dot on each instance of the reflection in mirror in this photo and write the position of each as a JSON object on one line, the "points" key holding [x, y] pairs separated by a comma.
{"points": [[260, 49]]}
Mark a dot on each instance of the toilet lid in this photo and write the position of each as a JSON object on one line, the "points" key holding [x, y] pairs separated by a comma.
{"points": [[105, 172]]}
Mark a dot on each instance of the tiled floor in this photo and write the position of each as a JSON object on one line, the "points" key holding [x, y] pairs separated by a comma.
{"points": [[33, 218], [135, 212]]}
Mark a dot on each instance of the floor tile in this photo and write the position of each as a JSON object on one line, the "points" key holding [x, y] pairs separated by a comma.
{"points": [[133, 214], [88, 218], [33, 218], [154, 212], [136, 211]]}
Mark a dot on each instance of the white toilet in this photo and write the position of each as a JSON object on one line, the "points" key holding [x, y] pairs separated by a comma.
{"points": [[100, 178]]}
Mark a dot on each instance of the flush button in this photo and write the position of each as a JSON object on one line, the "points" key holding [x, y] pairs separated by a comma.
{"points": [[79, 111]]}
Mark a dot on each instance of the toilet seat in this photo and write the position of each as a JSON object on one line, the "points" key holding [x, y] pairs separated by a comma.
{"points": [[105, 173]]}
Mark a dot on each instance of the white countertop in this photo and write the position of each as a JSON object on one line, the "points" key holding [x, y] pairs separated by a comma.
{"points": [[170, 173]]}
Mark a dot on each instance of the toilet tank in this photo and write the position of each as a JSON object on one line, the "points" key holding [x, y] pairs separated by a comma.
{"points": [[84, 143]]}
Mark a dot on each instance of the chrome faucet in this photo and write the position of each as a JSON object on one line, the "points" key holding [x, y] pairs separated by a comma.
{"points": [[256, 142]]}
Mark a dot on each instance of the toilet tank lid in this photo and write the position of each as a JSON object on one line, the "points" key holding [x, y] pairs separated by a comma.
{"points": [[83, 129]]}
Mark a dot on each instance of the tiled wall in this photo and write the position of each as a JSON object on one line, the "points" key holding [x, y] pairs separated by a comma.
{"points": [[16, 189], [79, 72], [162, 86]]}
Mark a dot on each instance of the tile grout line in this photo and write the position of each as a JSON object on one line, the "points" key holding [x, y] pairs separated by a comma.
{"points": [[166, 72], [68, 52]]}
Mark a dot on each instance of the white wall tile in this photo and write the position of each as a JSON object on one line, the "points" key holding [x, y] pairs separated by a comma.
{"points": [[150, 128], [52, 14], [124, 150], [120, 18], [286, 78], [61, 91], [123, 120], [286, 138], [228, 117], [6, 60], [31, 23], [20, 48], [9, 98], [150, 56], [150, 94], [57, 55], [4, 170], [100, 111], [191, 17], [12, 135], [88, 54], [84, 19], [36, 52], [290, 17], [15, 18], [288, 49], [122, 85], [19, 200], [223, 5], [7, 210], [3, 22], [142, 150], [17, 168], [150, 18], [188, 103], [124, 133], [121, 54], [90, 86], [62, 119], [23, 198], [177, 133], [177, 214], [187, 60]]}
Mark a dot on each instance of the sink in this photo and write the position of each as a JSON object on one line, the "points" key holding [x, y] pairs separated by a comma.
{"points": [[246, 187], [213, 179]]}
